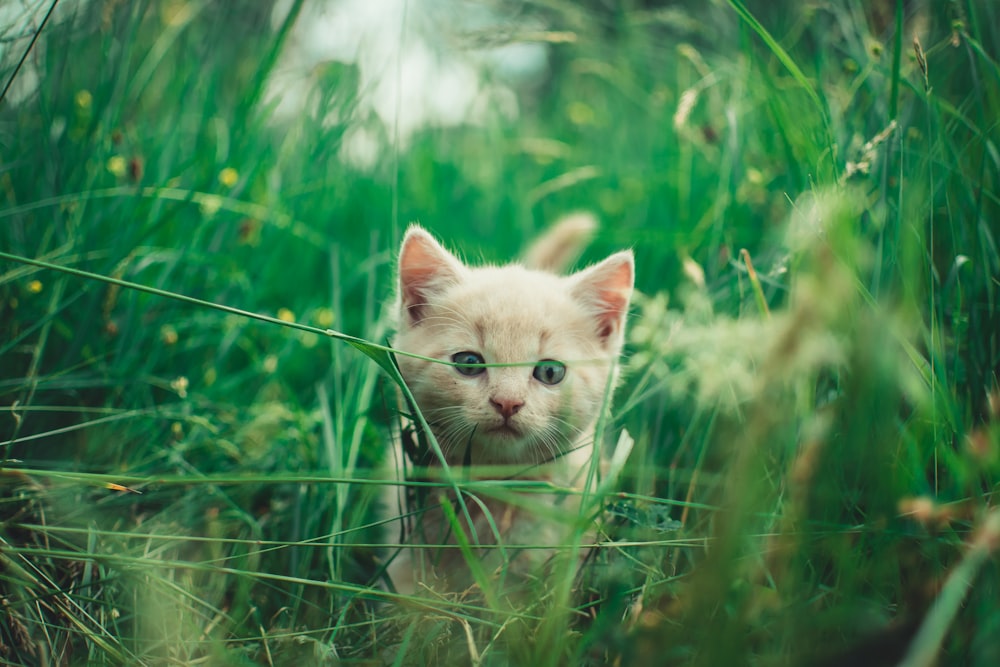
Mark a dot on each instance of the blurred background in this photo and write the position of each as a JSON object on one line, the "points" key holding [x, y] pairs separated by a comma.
{"points": [[811, 191]]}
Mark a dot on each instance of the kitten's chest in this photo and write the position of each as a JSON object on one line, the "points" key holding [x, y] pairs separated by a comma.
{"points": [[514, 536], [529, 515]]}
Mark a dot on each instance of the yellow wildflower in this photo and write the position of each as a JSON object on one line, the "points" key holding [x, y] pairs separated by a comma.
{"points": [[229, 177], [117, 165]]}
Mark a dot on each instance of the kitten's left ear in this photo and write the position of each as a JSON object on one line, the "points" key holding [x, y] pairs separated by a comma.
{"points": [[425, 269], [606, 289]]}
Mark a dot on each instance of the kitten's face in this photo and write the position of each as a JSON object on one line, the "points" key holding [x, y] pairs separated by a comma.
{"points": [[566, 330]]}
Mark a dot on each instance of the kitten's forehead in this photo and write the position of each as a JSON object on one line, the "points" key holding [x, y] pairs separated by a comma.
{"points": [[512, 308], [514, 293]]}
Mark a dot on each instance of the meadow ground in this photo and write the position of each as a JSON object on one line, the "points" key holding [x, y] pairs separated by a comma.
{"points": [[189, 460]]}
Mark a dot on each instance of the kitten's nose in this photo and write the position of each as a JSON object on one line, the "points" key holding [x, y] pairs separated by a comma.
{"points": [[506, 406]]}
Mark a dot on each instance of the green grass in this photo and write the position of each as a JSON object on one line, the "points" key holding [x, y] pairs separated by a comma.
{"points": [[816, 441]]}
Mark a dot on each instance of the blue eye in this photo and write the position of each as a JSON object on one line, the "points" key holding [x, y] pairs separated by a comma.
{"points": [[550, 371], [465, 361]]}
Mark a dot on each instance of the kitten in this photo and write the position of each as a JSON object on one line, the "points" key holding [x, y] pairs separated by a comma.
{"points": [[537, 417]]}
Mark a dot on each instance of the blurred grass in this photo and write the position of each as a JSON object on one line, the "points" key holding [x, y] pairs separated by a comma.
{"points": [[175, 485]]}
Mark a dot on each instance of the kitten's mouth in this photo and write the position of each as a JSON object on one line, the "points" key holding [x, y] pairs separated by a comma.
{"points": [[505, 431]]}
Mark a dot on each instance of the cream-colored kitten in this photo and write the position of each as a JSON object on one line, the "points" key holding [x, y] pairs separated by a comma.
{"points": [[563, 335]]}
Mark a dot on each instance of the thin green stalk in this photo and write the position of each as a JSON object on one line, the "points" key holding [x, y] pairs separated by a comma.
{"points": [[142, 562], [267, 63], [353, 340], [27, 50], [926, 644], [471, 559], [794, 70], [28, 394], [897, 55]]}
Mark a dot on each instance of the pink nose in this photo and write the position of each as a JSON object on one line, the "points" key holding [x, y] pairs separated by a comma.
{"points": [[506, 406]]}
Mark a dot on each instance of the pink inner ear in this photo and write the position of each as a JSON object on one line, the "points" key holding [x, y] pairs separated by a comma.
{"points": [[424, 267], [608, 286], [615, 304]]}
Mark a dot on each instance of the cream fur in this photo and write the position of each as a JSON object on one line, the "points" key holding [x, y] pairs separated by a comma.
{"points": [[508, 315]]}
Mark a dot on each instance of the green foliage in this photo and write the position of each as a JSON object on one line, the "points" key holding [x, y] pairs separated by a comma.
{"points": [[816, 435]]}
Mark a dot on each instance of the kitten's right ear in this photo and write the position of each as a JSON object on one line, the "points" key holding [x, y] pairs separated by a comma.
{"points": [[425, 269], [606, 289]]}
